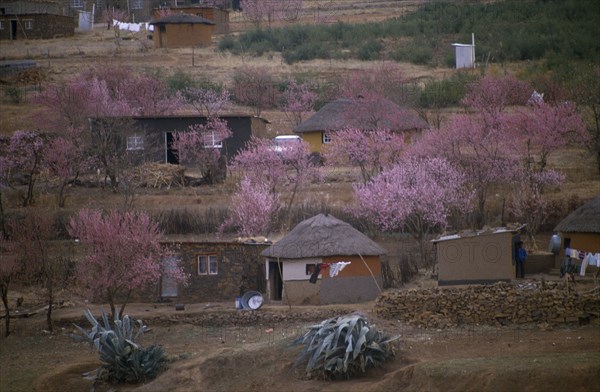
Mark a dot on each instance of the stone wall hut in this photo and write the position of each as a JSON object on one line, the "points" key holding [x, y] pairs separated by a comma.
{"points": [[219, 270], [340, 114], [580, 230], [323, 239], [182, 31], [34, 20]]}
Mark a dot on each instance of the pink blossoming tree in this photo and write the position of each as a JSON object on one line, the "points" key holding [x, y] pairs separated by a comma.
{"points": [[201, 144], [370, 151], [298, 99], [416, 196], [121, 253], [66, 158], [25, 155], [41, 260], [283, 171], [254, 206]]}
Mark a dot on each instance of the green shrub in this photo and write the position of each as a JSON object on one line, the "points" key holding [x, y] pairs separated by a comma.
{"points": [[14, 94], [342, 347], [122, 359], [370, 50]]}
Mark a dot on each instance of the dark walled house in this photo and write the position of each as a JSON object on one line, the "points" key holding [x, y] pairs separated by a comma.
{"points": [[219, 16], [151, 137], [34, 20], [181, 31]]}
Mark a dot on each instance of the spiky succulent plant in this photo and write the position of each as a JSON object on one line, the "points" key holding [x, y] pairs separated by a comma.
{"points": [[342, 347], [122, 359]]}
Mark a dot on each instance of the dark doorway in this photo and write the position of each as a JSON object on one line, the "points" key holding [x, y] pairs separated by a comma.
{"points": [[13, 29], [171, 155], [275, 281], [567, 243]]}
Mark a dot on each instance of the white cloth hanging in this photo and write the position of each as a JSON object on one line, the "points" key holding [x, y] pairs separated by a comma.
{"points": [[336, 268]]}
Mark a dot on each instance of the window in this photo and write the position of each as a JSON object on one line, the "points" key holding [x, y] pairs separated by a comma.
{"points": [[211, 141], [310, 268], [28, 24], [207, 265], [326, 138], [76, 3], [135, 142], [137, 4], [1, 25]]}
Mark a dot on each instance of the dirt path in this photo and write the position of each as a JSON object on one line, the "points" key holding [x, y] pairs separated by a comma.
{"points": [[256, 356]]}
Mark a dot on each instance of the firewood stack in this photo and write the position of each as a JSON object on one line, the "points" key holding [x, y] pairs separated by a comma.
{"points": [[497, 304], [159, 175]]}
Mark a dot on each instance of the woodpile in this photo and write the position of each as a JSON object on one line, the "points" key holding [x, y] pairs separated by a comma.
{"points": [[497, 304], [159, 175]]}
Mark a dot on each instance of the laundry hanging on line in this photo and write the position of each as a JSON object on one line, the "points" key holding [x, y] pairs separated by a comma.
{"points": [[334, 269]]}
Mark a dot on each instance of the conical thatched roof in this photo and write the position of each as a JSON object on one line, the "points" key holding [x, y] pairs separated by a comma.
{"points": [[585, 219], [182, 19], [320, 236], [336, 115]]}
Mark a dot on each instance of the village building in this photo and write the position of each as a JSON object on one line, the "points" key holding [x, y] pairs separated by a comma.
{"points": [[151, 137], [217, 15], [313, 252], [338, 115], [219, 270], [182, 31], [34, 20], [476, 257], [580, 231]]}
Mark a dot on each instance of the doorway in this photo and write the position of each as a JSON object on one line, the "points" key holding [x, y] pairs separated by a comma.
{"points": [[13, 29], [171, 155], [275, 281]]}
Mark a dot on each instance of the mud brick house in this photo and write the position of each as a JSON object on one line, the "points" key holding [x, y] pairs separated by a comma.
{"points": [[323, 241], [151, 137], [341, 114], [217, 15], [580, 230], [34, 20], [182, 31], [478, 257], [218, 270]]}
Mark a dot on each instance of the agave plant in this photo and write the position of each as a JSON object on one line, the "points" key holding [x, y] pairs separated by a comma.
{"points": [[122, 359], [341, 347]]}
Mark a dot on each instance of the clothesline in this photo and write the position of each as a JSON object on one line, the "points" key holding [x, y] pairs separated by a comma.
{"points": [[334, 269], [587, 258], [133, 27]]}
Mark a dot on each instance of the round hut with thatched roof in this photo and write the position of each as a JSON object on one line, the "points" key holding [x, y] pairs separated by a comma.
{"points": [[322, 242], [581, 229]]}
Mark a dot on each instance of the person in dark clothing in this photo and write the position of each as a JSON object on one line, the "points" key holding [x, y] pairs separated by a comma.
{"points": [[520, 257]]}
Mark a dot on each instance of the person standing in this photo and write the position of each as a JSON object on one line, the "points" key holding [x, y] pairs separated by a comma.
{"points": [[520, 258]]}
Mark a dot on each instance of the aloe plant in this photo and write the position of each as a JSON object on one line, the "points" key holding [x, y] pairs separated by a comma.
{"points": [[122, 358], [342, 347]]}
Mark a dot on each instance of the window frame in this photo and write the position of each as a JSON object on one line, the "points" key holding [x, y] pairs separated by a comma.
{"points": [[205, 259], [135, 142], [76, 3], [212, 141], [28, 24], [137, 4], [1, 24], [326, 138]]}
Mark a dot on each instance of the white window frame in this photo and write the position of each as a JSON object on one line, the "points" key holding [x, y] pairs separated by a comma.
{"points": [[210, 141], [76, 3], [209, 262], [137, 4], [326, 138], [28, 24], [135, 142]]}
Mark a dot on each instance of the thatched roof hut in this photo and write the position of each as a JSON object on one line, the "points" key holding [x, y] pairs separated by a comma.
{"points": [[320, 236], [585, 219], [182, 18], [323, 241], [337, 115]]}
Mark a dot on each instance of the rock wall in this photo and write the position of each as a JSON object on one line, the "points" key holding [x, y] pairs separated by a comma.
{"points": [[497, 304]]}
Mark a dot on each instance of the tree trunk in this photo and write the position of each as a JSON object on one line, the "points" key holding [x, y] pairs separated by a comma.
{"points": [[4, 292], [50, 302], [122, 310]]}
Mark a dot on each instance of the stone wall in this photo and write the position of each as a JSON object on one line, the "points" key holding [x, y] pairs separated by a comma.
{"points": [[497, 304]]}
